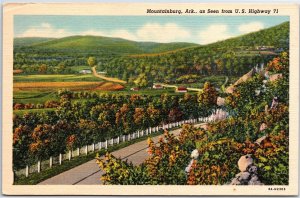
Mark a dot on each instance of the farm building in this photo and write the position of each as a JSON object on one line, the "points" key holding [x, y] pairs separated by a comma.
{"points": [[181, 89], [157, 86], [18, 71], [135, 89], [85, 71]]}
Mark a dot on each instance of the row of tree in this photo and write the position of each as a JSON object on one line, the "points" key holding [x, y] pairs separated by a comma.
{"points": [[77, 123]]}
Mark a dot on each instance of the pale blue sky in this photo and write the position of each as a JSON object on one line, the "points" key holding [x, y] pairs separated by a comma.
{"points": [[195, 29]]}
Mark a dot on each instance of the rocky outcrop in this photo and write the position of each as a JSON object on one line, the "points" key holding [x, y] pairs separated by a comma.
{"points": [[220, 101], [244, 78], [194, 156], [248, 174]]}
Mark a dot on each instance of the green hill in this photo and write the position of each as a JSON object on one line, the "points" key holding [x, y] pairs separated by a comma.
{"points": [[231, 57], [158, 62], [100, 44], [27, 41]]}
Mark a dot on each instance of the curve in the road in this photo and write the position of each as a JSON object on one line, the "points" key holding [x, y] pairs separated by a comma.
{"points": [[107, 78]]}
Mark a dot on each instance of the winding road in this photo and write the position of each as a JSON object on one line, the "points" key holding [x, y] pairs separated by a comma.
{"points": [[107, 78], [89, 173]]}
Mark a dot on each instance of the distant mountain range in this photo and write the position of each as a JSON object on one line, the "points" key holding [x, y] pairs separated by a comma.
{"points": [[160, 62], [97, 44]]}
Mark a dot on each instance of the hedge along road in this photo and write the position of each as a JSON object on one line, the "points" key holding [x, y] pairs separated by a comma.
{"points": [[89, 173]]}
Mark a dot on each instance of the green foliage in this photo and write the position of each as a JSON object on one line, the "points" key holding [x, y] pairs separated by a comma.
{"points": [[141, 81], [220, 144], [36, 178], [91, 61], [127, 59], [77, 122]]}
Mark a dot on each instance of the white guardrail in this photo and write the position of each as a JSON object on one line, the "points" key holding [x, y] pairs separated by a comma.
{"points": [[58, 160]]}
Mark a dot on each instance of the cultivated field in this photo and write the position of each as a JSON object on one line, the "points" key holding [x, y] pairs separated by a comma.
{"points": [[67, 85], [56, 85], [56, 78]]}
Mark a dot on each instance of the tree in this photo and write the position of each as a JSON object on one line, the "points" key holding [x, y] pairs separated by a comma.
{"points": [[208, 97], [61, 67], [92, 61], [142, 80], [43, 68]]}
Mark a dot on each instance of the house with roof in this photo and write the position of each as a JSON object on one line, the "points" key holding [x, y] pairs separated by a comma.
{"points": [[157, 86], [181, 89], [85, 71]]}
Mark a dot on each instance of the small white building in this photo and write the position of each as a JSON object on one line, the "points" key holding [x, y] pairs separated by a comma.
{"points": [[85, 71]]}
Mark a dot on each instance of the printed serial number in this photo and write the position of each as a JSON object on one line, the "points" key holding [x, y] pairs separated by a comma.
{"points": [[276, 188]]}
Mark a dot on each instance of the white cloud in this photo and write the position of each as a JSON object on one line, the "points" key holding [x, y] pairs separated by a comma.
{"points": [[46, 25], [149, 32], [92, 33], [214, 33], [169, 32], [162, 33], [250, 27], [45, 30], [123, 34]]}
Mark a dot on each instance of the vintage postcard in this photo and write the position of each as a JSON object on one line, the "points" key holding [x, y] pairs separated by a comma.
{"points": [[150, 99]]}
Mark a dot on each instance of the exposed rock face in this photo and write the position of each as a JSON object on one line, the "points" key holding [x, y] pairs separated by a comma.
{"points": [[242, 79], [244, 162], [248, 174], [220, 101], [260, 140], [194, 156], [275, 77], [263, 126]]}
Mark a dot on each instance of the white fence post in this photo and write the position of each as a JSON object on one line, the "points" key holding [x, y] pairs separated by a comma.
{"points": [[142, 132], [78, 151], [106, 144], [93, 147], [27, 171], [86, 149], [60, 159], [39, 166], [70, 155], [50, 162], [118, 140], [138, 134], [150, 130], [99, 146], [124, 138]]}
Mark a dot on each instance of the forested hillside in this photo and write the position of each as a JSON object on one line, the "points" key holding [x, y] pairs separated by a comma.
{"points": [[230, 57], [258, 126], [73, 50], [155, 62]]}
